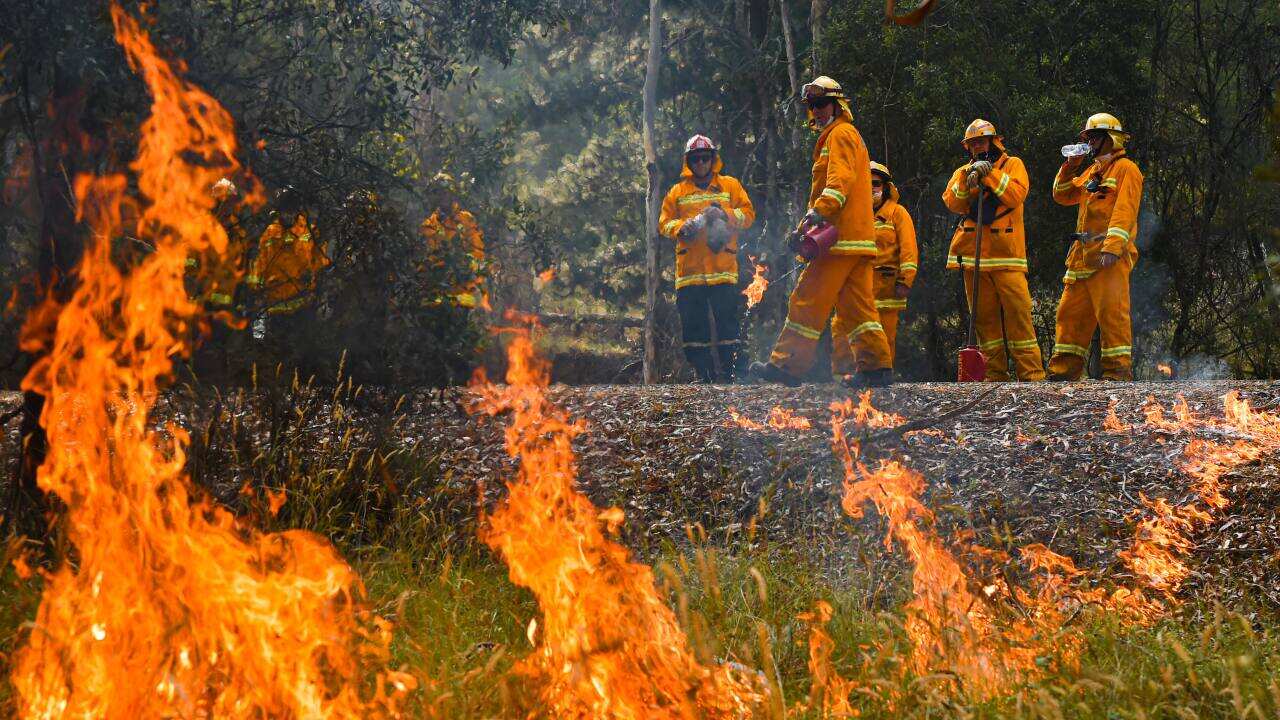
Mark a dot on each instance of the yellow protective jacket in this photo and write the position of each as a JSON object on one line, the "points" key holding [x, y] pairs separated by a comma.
{"points": [[286, 264], [1004, 241], [461, 227], [1111, 210], [896, 240], [841, 189], [214, 276], [695, 263]]}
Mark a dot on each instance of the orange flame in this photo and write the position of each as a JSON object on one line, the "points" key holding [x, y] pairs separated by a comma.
{"points": [[172, 608], [607, 644], [1158, 556], [950, 628], [743, 421], [1164, 369], [755, 291], [1112, 423], [779, 418], [866, 414], [828, 692]]}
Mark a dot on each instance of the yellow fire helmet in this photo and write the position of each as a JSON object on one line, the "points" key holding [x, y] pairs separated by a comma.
{"points": [[982, 128], [823, 86], [1108, 122], [882, 169]]}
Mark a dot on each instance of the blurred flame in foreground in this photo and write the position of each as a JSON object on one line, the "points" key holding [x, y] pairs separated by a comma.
{"points": [[171, 608], [607, 646]]}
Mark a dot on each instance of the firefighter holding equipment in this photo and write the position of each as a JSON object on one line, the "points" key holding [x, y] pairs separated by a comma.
{"points": [[895, 269], [839, 277], [1003, 313], [704, 213], [1096, 285]]}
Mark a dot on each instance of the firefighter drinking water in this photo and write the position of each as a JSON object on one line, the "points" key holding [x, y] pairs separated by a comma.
{"points": [[840, 276], [704, 213], [895, 270], [1107, 186], [1003, 312]]}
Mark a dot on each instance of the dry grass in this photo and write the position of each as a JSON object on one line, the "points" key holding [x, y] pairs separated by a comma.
{"points": [[356, 471]]}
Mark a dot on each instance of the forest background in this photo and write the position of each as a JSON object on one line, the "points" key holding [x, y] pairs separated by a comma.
{"points": [[527, 114]]}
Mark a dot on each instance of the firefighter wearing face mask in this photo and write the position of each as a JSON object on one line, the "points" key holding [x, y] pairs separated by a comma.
{"points": [[704, 213], [1003, 315], [1096, 286], [840, 277], [895, 269]]}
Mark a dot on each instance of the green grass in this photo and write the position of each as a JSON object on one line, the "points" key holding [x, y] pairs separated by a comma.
{"points": [[460, 625]]}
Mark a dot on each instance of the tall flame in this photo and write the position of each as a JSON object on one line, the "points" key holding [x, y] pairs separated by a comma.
{"points": [[954, 629], [171, 608], [607, 645]]}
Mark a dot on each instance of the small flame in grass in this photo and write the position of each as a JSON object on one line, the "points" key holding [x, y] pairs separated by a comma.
{"points": [[1164, 369], [866, 414], [783, 419], [743, 421], [547, 275], [828, 691], [755, 291], [1159, 554], [607, 645], [952, 630], [780, 418], [172, 608], [1112, 423]]}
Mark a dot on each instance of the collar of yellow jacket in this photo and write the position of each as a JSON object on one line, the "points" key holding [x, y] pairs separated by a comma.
{"points": [[846, 113], [887, 206], [1099, 168], [837, 120], [716, 167]]}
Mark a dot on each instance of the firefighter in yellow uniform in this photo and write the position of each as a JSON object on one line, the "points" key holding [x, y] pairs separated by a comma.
{"points": [[214, 277], [288, 260], [895, 269], [704, 213], [459, 226], [840, 277], [1096, 286], [1003, 315]]}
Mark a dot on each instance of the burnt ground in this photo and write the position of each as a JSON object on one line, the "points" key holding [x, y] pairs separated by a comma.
{"points": [[1028, 463]]}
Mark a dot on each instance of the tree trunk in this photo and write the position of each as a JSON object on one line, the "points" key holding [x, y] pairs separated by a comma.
{"points": [[653, 204], [817, 16], [793, 69]]}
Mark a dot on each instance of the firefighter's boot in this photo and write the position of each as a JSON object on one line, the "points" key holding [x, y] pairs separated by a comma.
{"points": [[770, 373], [882, 377]]}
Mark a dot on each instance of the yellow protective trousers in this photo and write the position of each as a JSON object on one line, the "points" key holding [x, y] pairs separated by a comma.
{"points": [[1004, 320], [888, 305], [842, 282], [1100, 299]]}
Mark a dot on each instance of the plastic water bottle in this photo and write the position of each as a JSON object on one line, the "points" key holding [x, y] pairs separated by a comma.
{"points": [[1075, 150]]}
